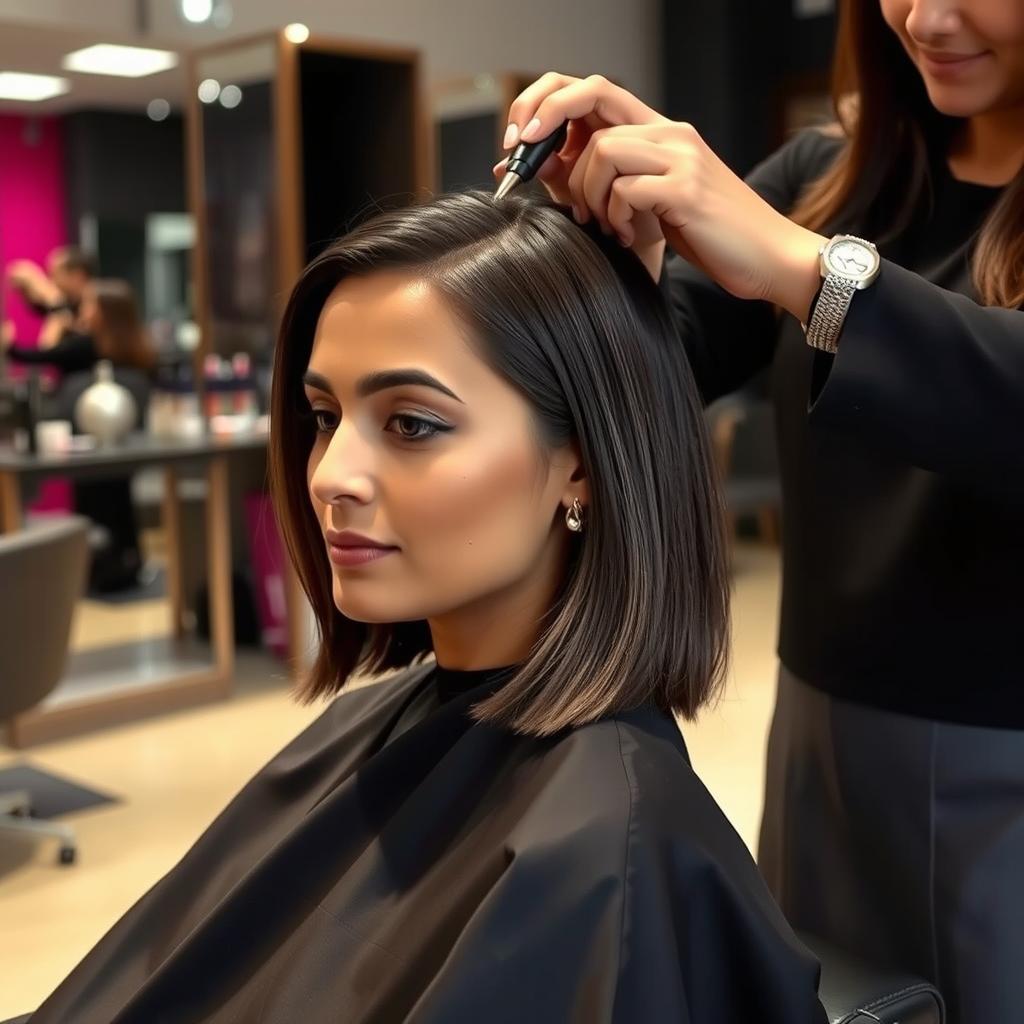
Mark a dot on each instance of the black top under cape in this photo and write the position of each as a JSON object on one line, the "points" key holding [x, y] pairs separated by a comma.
{"points": [[901, 458], [400, 862]]}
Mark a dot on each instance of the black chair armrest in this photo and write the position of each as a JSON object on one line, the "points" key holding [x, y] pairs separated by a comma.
{"points": [[854, 992]]}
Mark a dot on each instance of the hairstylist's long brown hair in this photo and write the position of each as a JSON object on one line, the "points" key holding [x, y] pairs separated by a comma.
{"points": [[895, 136], [121, 338], [574, 322]]}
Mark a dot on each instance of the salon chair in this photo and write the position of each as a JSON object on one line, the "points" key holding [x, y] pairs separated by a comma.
{"points": [[43, 570], [854, 993]]}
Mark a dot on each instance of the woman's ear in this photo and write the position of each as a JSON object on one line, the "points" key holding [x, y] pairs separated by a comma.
{"points": [[578, 486]]}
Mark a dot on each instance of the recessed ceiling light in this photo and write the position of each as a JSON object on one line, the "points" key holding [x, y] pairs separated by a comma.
{"points": [[124, 61], [230, 96], [296, 32], [15, 85], [158, 110], [197, 11], [209, 90]]}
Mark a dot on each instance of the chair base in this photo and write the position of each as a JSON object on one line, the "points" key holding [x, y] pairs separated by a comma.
{"points": [[15, 816]]}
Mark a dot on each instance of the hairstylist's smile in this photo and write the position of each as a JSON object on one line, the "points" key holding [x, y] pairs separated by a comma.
{"points": [[348, 548], [941, 64]]}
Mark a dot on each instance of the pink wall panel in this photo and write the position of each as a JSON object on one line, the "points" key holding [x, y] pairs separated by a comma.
{"points": [[31, 224], [32, 220]]}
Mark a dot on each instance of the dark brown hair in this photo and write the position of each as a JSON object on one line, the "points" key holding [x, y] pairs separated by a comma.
{"points": [[71, 258], [120, 337], [895, 136], [576, 325]]}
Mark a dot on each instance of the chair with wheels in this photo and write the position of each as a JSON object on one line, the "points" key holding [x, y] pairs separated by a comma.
{"points": [[43, 568]]}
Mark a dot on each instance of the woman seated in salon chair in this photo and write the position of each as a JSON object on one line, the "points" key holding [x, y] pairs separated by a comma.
{"points": [[494, 480]]}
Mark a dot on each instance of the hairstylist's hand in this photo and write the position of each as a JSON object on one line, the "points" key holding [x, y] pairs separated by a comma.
{"points": [[590, 105], [632, 169]]}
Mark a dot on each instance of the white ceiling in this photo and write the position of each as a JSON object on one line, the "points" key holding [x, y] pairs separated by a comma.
{"points": [[39, 49], [456, 37]]}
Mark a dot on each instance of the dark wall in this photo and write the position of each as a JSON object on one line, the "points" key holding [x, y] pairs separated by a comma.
{"points": [[241, 222], [728, 64], [358, 117], [118, 169], [123, 166], [466, 148]]}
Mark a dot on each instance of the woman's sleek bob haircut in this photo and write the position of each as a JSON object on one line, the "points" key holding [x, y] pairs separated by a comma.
{"points": [[574, 322]]}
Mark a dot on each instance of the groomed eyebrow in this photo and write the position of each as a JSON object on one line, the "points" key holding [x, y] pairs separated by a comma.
{"points": [[382, 380]]}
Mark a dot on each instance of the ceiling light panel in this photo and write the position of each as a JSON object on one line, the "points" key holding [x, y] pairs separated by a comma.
{"points": [[123, 61], [15, 85]]}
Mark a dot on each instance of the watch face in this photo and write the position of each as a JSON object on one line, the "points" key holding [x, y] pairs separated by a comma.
{"points": [[852, 259]]}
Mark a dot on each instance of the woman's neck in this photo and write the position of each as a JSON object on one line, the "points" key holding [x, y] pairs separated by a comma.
{"points": [[989, 149]]}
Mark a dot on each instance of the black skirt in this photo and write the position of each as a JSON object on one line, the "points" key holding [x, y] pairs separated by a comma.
{"points": [[901, 839]]}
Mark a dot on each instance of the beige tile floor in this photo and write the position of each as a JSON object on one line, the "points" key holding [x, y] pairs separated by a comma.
{"points": [[97, 624], [176, 772]]}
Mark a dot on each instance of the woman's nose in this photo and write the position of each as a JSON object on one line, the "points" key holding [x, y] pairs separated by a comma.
{"points": [[345, 471], [930, 20]]}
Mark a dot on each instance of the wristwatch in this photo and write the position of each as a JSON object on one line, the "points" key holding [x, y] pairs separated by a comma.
{"points": [[848, 264]]}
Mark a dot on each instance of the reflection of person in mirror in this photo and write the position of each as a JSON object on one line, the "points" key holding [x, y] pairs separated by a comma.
{"points": [[56, 293], [106, 326]]}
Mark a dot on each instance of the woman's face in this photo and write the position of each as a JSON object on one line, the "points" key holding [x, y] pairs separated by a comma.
{"points": [[426, 475], [970, 53]]}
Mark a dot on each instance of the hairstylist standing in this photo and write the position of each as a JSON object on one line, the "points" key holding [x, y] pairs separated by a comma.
{"points": [[894, 819]]}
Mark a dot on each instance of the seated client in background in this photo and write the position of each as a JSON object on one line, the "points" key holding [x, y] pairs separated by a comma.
{"points": [[493, 477]]}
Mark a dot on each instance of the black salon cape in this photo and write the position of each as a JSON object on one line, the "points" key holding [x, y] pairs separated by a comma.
{"points": [[456, 873]]}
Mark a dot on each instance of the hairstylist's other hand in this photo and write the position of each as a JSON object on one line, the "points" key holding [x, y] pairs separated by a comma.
{"points": [[630, 168], [6, 334]]}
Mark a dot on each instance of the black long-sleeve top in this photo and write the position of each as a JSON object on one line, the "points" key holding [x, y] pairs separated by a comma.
{"points": [[74, 351], [902, 461]]}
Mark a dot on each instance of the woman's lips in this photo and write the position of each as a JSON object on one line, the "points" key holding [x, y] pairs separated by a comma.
{"points": [[950, 65], [349, 555], [350, 548]]}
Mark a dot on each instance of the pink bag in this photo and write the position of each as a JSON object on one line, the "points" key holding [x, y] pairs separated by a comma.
{"points": [[267, 552]]}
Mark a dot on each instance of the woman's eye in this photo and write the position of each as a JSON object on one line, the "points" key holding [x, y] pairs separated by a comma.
{"points": [[414, 428], [325, 421]]}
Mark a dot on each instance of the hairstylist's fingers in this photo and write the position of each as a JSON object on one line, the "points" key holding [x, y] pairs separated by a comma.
{"points": [[643, 196], [632, 208], [594, 98], [582, 162], [621, 212], [554, 174], [613, 153], [557, 168], [525, 104]]}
